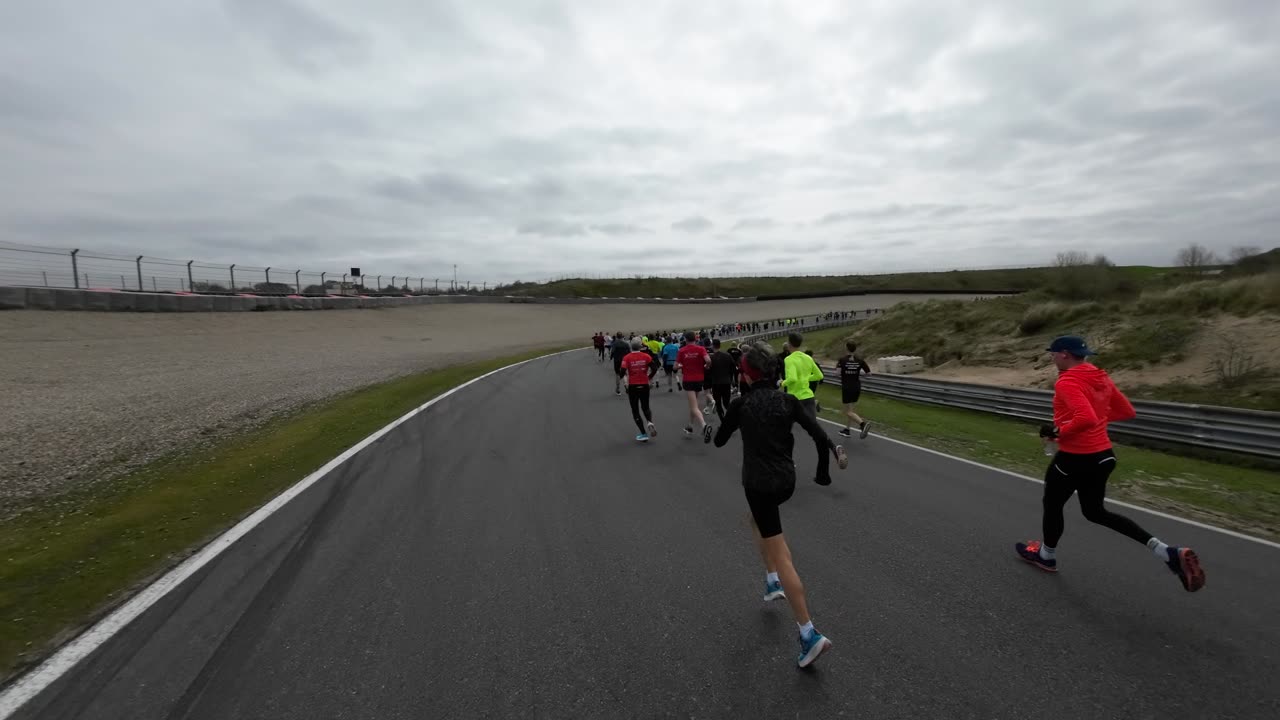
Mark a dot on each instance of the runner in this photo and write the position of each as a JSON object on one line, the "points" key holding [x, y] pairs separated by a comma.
{"points": [[598, 341], [1084, 401], [735, 352], [620, 350], [720, 378], [800, 371], [813, 384], [668, 355], [640, 365], [851, 367], [694, 360], [769, 479]]}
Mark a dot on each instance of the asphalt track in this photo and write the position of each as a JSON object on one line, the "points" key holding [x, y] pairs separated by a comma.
{"points": [[512, 552]]}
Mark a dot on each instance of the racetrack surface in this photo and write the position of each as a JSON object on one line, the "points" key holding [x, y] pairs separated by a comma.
{"points": [[513, 552]]}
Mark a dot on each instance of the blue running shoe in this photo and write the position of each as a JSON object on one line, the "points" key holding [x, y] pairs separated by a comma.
{"points": [[813, 647], [1030, 552], [642, 438], [773, 591], [1184, 563]]}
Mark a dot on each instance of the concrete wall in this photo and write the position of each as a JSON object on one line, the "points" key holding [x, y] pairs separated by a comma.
{"points": [[17, 298]]}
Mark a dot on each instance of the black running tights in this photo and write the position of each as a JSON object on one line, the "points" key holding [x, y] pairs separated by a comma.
{"points": [[638, 395], [1087, 476], [720, 394]]}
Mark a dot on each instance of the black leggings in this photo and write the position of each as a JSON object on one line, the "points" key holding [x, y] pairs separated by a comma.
{"points": [[720, 395], [638, 395], [1086, 475]]}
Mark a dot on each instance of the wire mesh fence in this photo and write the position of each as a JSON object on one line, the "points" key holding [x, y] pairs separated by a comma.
{"points": [[32, 266]]}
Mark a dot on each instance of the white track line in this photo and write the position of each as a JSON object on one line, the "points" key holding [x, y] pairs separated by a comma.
{"points": [[1038, 481], [35, 682]]}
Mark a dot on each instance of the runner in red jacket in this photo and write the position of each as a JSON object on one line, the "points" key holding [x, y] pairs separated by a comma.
{"points": [[1084, 402]]}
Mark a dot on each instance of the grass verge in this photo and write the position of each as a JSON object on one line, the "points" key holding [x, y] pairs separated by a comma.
{"points": [[1242, 499], [68, 564]]}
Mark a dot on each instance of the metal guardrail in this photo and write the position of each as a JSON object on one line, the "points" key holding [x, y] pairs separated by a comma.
{"points": [[1252, 432]]}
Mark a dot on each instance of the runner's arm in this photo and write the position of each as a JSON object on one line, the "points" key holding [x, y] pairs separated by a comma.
{"points": [[821, 441], [729, 425], [1120, 408], [1080, 414]]}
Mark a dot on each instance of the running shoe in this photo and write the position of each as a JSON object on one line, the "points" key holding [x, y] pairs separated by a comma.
{"points": [[642, 438], [679, 386], [706, 433], [773, 591], [671, 390], [688, 431], [845, 432], [1184, 563], [863, 430], [1030, 551], [813, 647], [842, 457], [653, 430]]}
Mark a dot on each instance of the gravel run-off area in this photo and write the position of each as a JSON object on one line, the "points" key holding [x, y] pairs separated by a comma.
{"points": [[85, 397]]}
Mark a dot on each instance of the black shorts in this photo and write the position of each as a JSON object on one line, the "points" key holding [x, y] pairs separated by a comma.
{"points": [[850, 395], [669, 369], [693, 385], [764, 510], [617, 368]]}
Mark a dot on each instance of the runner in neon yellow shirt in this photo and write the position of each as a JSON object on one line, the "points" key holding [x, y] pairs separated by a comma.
{"points": [[800, 370]]}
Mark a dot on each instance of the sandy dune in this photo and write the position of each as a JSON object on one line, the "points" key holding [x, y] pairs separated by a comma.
{"points": [[84, 391]]}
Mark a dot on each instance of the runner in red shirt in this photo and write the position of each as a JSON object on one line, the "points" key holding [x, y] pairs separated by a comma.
{"points": [[1084, 402], [694, 360], [638, 365], [598, 341]]}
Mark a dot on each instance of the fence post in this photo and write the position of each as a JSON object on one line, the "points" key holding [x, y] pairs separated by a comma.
{"points": [[420, 280], [268, 271], [393, 281], [297, 281], [343, 290], [233, 277], [46, 277], [437, 284], [191, 282], [379, 283], [323, 288], [153, 283], [123, 286], [486, 286], [75, 268], [139, 263]]}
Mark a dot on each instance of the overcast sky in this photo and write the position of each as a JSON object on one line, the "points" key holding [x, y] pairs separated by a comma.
{"points": [[534, 139]]}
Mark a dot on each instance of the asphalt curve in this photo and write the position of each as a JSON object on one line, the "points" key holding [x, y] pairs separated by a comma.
{"points": [[514, 553]]}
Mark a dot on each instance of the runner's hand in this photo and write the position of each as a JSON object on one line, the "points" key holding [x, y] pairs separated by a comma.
{"points": [[1048, 431]]}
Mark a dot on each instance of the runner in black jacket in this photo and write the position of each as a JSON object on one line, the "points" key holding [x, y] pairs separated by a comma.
{"points": [[720, 377], [765, 416]]}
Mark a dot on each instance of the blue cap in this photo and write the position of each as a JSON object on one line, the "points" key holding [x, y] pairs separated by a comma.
{"points": [[1072, 344]]}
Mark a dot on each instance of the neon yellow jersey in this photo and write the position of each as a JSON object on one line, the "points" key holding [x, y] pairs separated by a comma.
{"points": [[800, 371], [654, 345]]}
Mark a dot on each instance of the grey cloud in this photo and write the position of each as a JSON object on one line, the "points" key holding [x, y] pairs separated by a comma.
{"points": [[302, 37], [975, 135], [620, 229], [694, 224], [553, 228], [757, 223]]}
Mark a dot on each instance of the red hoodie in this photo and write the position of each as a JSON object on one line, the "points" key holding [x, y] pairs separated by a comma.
{"points": [[1084, 401]]}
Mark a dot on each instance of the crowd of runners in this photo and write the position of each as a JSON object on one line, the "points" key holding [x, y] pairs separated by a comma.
{"points": [[750, 388]]}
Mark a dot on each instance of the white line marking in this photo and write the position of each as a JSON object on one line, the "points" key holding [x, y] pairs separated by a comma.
{"points": [[1037, 481], [35, 682]]}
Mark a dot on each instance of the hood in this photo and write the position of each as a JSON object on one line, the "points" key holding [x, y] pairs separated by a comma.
{"points": [[1088, 375]]}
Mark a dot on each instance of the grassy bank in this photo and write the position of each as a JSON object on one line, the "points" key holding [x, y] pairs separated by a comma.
{"points": [[1020, 279], [1243, 499], [1140, 333], [65, 564]]}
